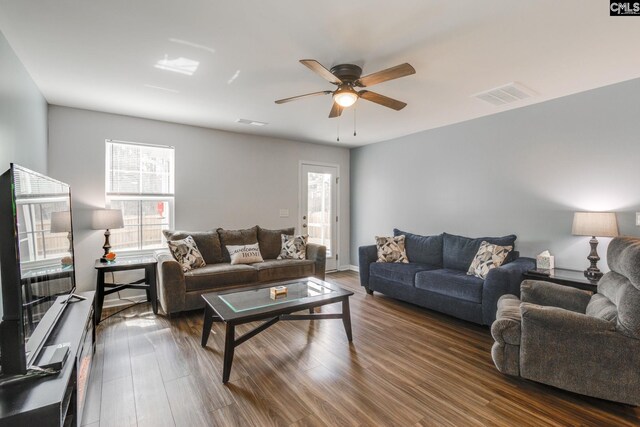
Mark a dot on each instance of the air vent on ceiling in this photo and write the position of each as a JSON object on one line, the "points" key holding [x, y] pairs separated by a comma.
{"points": [[506, 94], [251, 122]]}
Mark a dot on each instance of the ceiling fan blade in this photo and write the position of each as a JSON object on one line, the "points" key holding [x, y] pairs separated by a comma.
{"points": [[336, 110], [382, 100], [308, 95], [396, 72], [317, 68]]}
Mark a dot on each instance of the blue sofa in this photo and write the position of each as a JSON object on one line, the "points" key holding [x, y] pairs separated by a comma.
{"points": [[436, 275]]}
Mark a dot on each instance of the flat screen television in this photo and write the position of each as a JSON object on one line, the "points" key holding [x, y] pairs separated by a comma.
{"points": [[37, 263]]}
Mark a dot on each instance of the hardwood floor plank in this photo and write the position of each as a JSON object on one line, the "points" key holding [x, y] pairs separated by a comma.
{"points": [[152, 404], [406, 366], [118, 405]]}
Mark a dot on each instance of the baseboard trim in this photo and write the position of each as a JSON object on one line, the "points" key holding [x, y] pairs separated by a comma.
{"points": [[117, 302], [354, 268]]}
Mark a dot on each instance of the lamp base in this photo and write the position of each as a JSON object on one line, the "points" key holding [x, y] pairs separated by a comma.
{"points": [[593, 272], [594, 275]]}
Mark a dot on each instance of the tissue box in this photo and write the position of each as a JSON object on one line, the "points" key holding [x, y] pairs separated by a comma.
{"points": [[545, 261]]}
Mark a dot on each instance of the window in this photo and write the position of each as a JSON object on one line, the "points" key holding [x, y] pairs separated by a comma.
{"points": [[140, 181]]}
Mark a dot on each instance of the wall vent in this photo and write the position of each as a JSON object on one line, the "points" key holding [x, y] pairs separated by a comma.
{"points": [[251, 122], [506, 94]]}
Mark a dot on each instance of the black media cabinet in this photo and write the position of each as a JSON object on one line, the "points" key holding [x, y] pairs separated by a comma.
{"points": [[56, 400]]}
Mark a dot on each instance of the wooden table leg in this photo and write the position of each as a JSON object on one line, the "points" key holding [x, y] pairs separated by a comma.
{"points": [[152, 292], [346, 318], [229, 347], [206, 325], [99, 296]]}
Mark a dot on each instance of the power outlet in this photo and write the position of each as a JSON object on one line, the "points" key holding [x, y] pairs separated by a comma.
{"points": [[284, 213]]}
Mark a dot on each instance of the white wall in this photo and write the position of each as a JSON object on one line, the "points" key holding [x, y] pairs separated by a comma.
{"points": [[23, 115], [523, 171], [223, 179]]}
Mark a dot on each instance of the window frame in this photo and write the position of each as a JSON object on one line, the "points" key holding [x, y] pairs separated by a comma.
{"points": [[169, 198]]}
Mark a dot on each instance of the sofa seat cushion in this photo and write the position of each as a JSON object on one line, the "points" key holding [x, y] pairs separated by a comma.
{"points": [[453, 283], [282, 269], [219, 275], [397, 272]]}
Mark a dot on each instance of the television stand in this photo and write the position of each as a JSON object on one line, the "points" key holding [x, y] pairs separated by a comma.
{"points": [[58, 399]]}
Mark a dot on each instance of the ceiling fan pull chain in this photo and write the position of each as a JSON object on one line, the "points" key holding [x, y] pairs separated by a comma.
{"points": [[354, 121], [338, 131]]}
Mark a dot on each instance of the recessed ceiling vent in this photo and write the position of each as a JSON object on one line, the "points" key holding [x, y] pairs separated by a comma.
{"points": [[251, 122], [506, 94]]}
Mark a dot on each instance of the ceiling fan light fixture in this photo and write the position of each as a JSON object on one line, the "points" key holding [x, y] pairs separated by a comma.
{"points": [[345, 96]]}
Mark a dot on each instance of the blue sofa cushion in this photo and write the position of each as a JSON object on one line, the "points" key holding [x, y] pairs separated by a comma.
{"points": [[422, 249], [402, 273], [453, 283], [458, 251]]}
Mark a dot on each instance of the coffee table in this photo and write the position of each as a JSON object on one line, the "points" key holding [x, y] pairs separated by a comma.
{"points": [[251, 304]]}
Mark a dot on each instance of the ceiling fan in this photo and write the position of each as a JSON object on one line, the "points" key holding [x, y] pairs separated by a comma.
{"points": [[347, 78]]}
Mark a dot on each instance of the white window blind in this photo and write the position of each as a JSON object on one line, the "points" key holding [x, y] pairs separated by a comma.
{"points": [[140, 181]]}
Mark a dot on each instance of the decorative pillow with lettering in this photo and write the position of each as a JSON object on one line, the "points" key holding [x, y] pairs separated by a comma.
{"points": [[245, 254], [186, 252], [489, 256], [293, 247], [391, 249]]}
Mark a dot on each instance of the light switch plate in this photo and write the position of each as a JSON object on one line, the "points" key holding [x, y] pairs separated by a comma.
{"points": [[284, 213], [638, 219]]}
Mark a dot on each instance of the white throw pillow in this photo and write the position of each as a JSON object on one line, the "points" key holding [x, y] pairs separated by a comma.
{"points": [[489, 256], [244, 254], [186, 252], [391, 249], [293, 247]]}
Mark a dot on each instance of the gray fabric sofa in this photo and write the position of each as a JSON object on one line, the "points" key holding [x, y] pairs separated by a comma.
{"points": [[570, 339], [436, 278], [180, 291]]}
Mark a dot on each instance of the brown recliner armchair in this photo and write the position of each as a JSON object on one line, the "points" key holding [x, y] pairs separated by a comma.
{"points": [[570, 339]]}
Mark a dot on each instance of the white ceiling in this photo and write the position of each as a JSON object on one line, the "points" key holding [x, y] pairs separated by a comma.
{"points": [[100, 55]]}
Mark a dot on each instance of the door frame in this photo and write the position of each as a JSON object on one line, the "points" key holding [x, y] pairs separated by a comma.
{"points": [[338, 223]]}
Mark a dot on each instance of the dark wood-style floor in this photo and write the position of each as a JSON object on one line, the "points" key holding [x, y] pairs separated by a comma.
{"points": [[406, 366]]}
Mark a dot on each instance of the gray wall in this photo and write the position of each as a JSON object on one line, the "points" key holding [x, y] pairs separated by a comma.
{"points": [[23, 115], [523, 171], [223, 179]]}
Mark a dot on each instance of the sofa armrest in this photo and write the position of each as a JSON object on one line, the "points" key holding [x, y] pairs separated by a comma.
{"points": [[501, 281], [171, 285], [552, 294], [560, 319], [366, 256], [317, 254]]}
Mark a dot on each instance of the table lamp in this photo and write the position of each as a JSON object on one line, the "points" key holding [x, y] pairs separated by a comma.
{"points": [[601, 224], [107, 219], [61, 223]]}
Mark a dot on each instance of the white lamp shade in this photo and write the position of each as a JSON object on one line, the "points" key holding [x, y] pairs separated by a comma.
{"points": [[598, 224], [61, 222], [107, 219]]}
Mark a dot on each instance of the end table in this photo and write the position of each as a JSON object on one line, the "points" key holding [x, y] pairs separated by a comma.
{"points": [[148, 263], [563, 276]]}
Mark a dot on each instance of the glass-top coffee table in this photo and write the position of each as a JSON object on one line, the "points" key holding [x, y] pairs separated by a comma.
{"points": [[255, 303]]}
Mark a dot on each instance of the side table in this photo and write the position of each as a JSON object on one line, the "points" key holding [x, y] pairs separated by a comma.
{"points": [[148, 263], [563, 276]]}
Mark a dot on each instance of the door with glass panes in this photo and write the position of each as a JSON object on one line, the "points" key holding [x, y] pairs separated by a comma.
{"points": [[318, 208]]}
